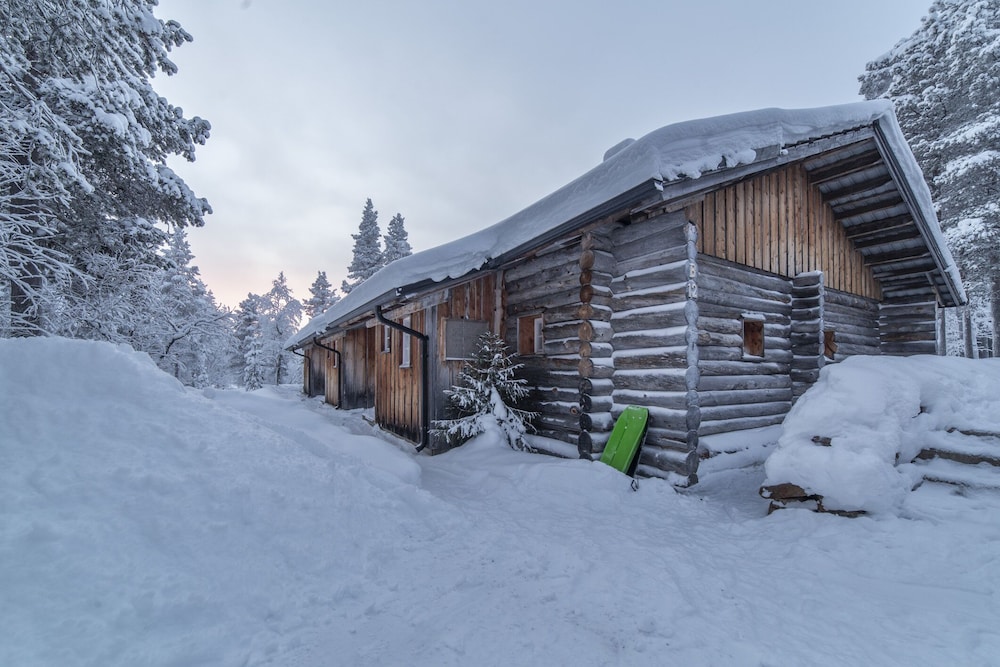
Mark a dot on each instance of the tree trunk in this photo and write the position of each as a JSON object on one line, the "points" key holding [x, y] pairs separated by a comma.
{"points": [[995, 311], [969, 334], [25, 320]]}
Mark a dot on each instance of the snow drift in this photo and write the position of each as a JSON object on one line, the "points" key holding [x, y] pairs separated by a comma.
{"points": [[142, 523], [879, 412]]}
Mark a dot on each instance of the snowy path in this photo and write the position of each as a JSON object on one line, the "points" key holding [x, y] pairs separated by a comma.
{"points": [[145, 524]]}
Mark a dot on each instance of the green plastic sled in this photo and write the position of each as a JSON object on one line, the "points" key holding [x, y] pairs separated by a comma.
{"points": [[622, 450]]}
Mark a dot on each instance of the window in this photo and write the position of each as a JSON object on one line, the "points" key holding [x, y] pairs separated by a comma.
{"points": [[830, 344], [386, 339], [530, 339], [461, 338], [753, 335], [406, 344]]}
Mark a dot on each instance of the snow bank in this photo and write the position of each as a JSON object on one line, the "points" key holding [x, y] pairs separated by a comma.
{"points": [[681, 150], [142, 523], [878, 412]]}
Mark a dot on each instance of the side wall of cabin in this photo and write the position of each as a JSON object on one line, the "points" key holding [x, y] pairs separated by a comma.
{"points": [[455, 317], [545, 290], [775, 262], [357, 349], [654, 349]]}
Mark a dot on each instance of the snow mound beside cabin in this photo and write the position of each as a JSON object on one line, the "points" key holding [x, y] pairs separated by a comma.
{"points": [[847, 436], [143, 523]]}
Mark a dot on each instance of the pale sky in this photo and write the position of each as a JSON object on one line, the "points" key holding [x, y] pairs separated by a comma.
{"points": [[460, 113]]}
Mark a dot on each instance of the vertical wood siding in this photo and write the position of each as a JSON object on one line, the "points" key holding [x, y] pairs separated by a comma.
{"points": [[359, 359], [473, 300], [778, 222], [397, 388]]}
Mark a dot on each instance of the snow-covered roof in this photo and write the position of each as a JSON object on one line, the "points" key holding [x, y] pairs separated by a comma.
{"points": [[683, 150]]}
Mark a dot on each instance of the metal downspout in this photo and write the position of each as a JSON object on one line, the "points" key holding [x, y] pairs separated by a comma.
{"points": [[424, 374], [340, 369]]}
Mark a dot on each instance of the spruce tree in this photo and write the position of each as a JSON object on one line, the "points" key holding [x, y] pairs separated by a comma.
{"points": [[323, 296], [253, 365], [282, 313], [944, 81], [397, 242], [488, 397], [367, 258]]}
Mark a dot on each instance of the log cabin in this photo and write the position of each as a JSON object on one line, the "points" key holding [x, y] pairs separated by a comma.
{"points": [[706, 271]]}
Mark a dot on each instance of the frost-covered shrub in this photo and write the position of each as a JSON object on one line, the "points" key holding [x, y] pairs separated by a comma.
{"points": [[488, 397]]}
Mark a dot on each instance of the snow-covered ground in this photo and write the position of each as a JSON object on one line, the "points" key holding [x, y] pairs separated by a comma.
{"points": [[142, 523]]}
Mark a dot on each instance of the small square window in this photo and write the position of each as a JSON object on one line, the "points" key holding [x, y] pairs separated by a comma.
{"points": [[530, 338], [830, 344], [753, 336]]}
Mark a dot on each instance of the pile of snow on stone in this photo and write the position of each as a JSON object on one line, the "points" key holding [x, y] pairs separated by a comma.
{"points": [[879, 412]]}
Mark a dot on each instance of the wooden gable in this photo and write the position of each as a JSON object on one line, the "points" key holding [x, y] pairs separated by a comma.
{"points": [[778, 222]]}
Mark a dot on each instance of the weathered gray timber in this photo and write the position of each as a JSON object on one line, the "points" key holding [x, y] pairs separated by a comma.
{"points": [[908, 329], [594, 397], [736, 390], [854, 321], [808, 297], [653, 302], [548, 283]]}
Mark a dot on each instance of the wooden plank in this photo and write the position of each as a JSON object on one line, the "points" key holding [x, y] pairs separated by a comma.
{"points": [[731, 223], [775, 227], [706, 233]]}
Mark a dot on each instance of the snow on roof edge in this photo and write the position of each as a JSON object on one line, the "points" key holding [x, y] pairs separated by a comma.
{"points": [[914, 177], [673, 152]]}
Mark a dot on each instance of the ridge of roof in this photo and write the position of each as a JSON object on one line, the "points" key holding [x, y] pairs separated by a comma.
{"points": [[683, 150]]}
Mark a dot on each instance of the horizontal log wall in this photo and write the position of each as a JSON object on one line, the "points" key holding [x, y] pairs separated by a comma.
{"points": [[650, 337], [736, 392], [549, 283], [854, 321], [593, 338], [779, 223], [807, 331], [906, 329]]}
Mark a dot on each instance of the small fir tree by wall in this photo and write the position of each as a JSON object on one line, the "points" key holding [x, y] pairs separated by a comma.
{"points": [[488, 397]]}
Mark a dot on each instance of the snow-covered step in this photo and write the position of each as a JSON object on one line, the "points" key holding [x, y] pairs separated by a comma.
{"points": [[972, 447], [980, 476]]}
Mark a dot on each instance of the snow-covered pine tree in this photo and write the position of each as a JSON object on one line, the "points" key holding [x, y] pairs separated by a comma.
{"points": [[254, 363], [75, 88], [367, 258], [944, 81], [396, 239], [282, 313], [323, 296], [254, 366], [488, 396], [190, 336]]}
